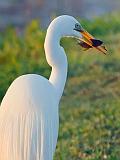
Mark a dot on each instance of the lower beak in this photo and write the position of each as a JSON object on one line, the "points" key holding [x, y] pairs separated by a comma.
{"points": [[91, 42]]}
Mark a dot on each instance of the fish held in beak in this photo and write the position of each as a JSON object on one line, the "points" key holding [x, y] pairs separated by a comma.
{"points": [[88, 41]]}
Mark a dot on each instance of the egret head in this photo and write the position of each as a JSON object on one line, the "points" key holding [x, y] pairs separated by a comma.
{"points": [[68, 26]]}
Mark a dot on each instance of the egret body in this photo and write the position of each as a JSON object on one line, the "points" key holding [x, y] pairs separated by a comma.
{"points": [[29, 112]]}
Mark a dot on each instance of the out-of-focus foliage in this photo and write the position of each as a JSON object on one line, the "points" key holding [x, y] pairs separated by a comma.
{"points": [[103, 25], [90, 107], [21, 54]]}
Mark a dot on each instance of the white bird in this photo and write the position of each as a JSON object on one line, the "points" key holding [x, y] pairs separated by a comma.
{"points": [[29, 112]]}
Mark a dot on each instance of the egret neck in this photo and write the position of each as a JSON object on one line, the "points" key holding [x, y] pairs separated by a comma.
{"points": [[56, 58]]}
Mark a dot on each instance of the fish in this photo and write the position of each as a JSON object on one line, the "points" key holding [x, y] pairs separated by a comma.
{"points": [[95, 43]]}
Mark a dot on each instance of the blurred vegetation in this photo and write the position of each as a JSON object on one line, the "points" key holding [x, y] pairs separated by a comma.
{"points": [[90, 106]]}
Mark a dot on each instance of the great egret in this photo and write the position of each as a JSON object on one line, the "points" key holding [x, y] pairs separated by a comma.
{"points": [[29, 118]]}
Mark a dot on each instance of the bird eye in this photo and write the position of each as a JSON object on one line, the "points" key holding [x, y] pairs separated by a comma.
{"points": [[77, 26]]}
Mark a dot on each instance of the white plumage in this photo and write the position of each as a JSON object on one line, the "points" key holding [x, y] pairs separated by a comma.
{"points": [[29, 119]]}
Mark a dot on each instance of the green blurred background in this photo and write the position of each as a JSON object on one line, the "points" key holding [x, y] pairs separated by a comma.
{"points": [[90, 106]]}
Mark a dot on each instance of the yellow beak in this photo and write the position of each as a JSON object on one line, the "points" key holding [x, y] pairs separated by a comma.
{"points": [[92, 42]]}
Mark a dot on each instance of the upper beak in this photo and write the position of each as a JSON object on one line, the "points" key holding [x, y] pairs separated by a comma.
{"points": [[88, 41]]}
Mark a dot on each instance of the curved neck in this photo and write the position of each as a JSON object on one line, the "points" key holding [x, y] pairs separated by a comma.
{"points": [[57, 59]]}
